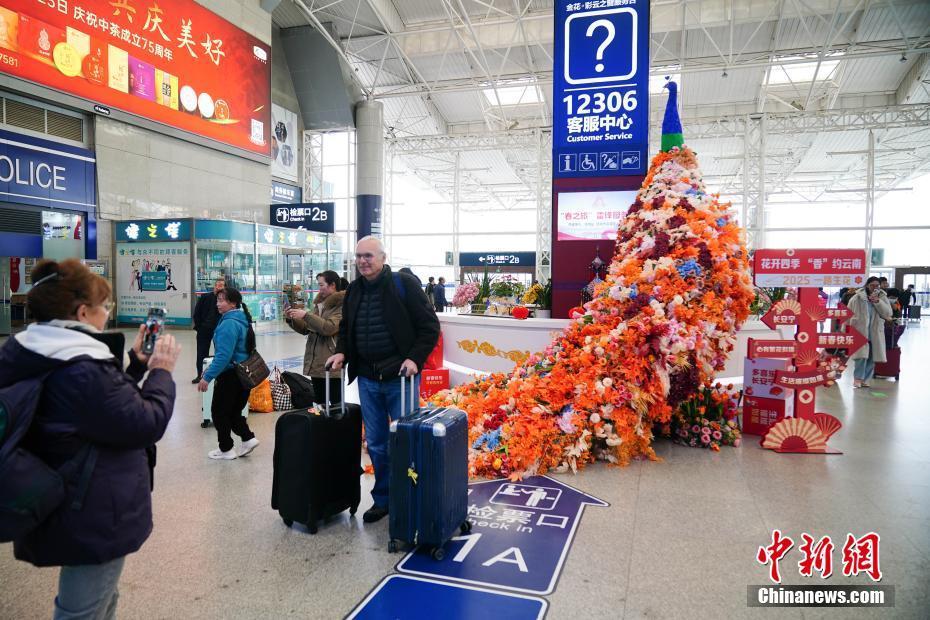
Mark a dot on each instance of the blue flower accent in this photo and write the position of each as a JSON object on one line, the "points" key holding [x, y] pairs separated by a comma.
{"points": [[491, 439], [633, 292], [689, 268], [721, 221]]}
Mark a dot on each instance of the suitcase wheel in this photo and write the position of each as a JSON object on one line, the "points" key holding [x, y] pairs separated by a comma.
{"points": [[312, 527], [205, 424], [392, 546], [465, 527], [287, 522], [438, 553]]}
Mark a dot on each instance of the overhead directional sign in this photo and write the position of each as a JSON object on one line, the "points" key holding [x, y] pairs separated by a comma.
{"points": [[494, 259], [415, 598], [601, 88], [521, 535]]}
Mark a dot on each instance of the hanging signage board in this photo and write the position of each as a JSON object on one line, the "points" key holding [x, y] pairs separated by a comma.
{"points": [[601, 88], [497, 259], [285, 194], [284, 143], [809, 268], [172, 62], [315, 216]]}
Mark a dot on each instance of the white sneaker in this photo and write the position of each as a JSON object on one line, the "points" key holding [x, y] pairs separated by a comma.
{"points": [[247, 446], [218, 454]]}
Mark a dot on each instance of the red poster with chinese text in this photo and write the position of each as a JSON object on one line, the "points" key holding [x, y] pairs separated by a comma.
{"points": [[761, 413], [169, 61], [809, 268], [434, 380]]}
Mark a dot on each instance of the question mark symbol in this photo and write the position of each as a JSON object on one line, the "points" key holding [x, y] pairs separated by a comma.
{"points": [[611, 33]]}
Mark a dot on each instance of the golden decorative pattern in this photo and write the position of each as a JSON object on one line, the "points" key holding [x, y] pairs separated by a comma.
{"points": [[486, 348]]}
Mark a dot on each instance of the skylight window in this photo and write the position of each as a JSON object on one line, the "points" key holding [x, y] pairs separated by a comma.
{"points": [[514, 93], [804, 72]]}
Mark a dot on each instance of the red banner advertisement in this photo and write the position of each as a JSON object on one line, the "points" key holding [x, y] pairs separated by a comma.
{"points": [[772, 348], [169, 61], [433, 380], [809, 267]]}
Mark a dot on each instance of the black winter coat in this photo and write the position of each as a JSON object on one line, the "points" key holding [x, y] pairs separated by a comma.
{"points": [[93, 401], [206, 316], [411, 321]]}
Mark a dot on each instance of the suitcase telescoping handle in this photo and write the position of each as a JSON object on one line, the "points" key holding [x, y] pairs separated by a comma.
{"points": [[414, 402], [329, 403]]}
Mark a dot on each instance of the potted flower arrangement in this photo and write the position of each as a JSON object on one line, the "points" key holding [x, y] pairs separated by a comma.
{"points": [[480, 302], [540, 296], [708, 419]]}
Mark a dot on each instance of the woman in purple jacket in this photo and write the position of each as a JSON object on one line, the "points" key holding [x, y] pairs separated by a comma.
{"points": [[89, 400]]}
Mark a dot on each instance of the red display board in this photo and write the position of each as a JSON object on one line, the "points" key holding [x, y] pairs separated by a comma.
{"points": [[760, 413], [433, 380], [809, 267], [169, 61]]}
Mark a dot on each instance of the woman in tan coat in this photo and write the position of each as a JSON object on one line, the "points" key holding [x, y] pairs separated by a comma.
{"points": [[320, 324], [871, 309]]}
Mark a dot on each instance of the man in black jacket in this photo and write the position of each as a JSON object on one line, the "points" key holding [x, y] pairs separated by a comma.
{"points": [[206, 316], [387, 327]]}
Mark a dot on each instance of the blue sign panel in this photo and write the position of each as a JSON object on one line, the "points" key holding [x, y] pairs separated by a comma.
{"points": [[153, 281], [285, 194], [46, 174], [153, 230], [494, 259], [521, 534], [413, 598], [315, 216], [601, 88], [224, 230]]}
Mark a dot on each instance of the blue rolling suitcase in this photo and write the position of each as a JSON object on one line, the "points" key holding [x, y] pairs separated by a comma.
{"points": [[428, 502]]}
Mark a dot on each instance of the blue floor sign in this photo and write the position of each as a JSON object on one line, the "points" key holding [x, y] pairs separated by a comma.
{"points": [[402, 597], [521, 534]]}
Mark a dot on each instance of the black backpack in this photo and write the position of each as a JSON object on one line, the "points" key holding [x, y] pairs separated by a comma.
{"points": [[30, 490], [302, 392]]}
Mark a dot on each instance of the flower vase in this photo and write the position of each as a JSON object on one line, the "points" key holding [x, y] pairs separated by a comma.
{"points": [[541, 313]]}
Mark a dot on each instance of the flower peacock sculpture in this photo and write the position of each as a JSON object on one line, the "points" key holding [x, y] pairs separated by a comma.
{"points": [[661, 324]]}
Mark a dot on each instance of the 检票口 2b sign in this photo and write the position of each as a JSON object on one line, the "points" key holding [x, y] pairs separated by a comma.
{"points": [[809, 268], [169, 61], [601, 89]]}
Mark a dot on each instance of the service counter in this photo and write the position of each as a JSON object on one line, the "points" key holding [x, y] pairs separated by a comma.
{"points": [[476, 345]]}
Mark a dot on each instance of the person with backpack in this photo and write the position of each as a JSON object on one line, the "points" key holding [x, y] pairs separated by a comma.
{"points": [[321, 324], [233, 342], [77, 437], [430, 287], [387, 328]]}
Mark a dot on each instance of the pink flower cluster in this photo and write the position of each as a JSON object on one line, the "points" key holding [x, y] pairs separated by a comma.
{"points": [[465, 294]]}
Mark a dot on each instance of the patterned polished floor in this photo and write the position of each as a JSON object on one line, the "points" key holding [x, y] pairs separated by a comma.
{"points": [[678, 541]]}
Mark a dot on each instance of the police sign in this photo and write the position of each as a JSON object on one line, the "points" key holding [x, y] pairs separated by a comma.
{"points": [[315, 216], [601, 88]]}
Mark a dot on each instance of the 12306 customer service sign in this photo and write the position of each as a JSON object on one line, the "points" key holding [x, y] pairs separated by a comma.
{"points": [[169, 61]]}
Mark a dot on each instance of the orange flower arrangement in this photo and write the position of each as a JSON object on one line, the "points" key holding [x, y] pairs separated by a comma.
{"points": [[662, 322]]}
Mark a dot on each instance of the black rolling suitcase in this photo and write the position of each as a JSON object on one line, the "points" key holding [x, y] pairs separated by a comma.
{"points": [[429, 477], [317, 462]]}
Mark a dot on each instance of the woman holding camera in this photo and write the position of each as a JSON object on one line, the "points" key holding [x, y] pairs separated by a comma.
{"points": [[90, 410], [233, 342], [870, 308]]}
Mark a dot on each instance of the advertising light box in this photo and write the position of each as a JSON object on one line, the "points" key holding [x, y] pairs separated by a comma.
{"points": [[592, 215], [170, 61]]}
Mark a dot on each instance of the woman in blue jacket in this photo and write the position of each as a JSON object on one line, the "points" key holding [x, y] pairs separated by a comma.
{"points": [[233, 342], [89, 405]]}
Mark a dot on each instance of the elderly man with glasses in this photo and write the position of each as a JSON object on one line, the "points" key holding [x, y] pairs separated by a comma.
{"points": [[387, 328]]}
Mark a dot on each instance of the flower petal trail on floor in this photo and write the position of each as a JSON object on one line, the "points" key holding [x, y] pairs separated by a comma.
{"points": [[660, 325]]}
